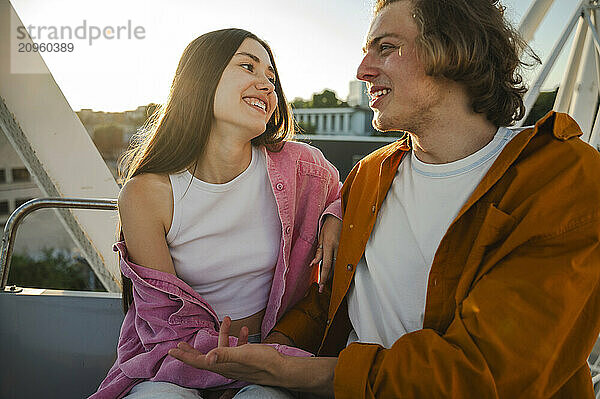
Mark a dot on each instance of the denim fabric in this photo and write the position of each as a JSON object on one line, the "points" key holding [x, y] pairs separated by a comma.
{"points": [[162, 390], [255, 338], [264, 392]]}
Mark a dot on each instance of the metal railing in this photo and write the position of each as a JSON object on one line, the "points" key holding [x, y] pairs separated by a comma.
{"points": [[10, 229]]}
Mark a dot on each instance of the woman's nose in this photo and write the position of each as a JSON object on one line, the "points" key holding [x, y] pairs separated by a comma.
{"points": [[265, 84]]}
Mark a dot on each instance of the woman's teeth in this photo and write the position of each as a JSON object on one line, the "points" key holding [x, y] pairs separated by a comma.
{"points": [[256, 102]]}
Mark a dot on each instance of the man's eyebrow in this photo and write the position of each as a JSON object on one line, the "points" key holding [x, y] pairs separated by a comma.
{"points": [[255, 58], [374, 40]]}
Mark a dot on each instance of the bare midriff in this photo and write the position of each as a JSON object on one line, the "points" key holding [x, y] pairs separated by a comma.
{"points": [[253, 323]]}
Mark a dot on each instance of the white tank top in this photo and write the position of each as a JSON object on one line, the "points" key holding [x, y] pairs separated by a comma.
{"points": [[224, 238]]}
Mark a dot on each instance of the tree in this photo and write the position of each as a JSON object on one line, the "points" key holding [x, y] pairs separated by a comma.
{"points": [[543, 105], [307, 127], [300, 103], [53, 270], [327, 99]]}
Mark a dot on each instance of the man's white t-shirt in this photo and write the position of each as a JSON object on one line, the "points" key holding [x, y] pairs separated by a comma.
{"points": [[387, 297]]}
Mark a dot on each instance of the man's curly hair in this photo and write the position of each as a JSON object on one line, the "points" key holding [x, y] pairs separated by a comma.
{"points": [[471, 42]]}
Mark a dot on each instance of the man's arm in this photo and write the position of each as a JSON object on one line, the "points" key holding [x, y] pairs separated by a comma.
{"points": [[525, 328]]}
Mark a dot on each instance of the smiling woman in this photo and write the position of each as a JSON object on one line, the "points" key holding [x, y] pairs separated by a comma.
{"points": [[219, 218]]}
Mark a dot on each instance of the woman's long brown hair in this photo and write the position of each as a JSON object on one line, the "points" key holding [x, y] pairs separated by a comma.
{"points": [[175, 136]]}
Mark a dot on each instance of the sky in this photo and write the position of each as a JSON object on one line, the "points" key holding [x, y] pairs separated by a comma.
{"points": [[317, 43]]}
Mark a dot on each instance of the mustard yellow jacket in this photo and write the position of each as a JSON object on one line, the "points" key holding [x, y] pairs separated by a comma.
{"points": [[513, 298]]}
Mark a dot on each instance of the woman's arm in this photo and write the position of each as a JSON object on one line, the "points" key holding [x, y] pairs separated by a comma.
{"points": [[330, 224], [146, 211]]}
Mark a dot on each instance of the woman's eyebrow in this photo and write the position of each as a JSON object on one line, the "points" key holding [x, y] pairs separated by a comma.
{"points": [[255, 58]]}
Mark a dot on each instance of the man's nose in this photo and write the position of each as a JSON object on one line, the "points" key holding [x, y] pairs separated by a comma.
{"points": [[366, 70]]}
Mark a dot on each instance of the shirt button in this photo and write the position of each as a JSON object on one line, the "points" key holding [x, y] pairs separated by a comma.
{"points": [[351, 226], [328, 321], [279, 186], [349, 267], [373, 209], [288, 229]]}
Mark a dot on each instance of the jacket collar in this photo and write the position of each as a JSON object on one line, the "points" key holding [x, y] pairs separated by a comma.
{"points": [[560, 125]]}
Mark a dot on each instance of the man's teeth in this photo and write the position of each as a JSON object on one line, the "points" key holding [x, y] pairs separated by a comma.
{"points": [[258, 103], [380, 93]]}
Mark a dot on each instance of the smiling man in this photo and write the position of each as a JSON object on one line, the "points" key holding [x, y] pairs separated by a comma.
{"points": [[468, 264]]}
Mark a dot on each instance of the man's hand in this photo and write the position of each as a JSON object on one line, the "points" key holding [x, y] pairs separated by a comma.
{"points": [[252, 363], [260, 364], [329, 239]]}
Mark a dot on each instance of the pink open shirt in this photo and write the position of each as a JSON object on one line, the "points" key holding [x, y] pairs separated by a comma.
{"points": [[166, 310]]}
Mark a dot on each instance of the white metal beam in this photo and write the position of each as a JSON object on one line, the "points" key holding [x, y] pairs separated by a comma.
{"points": [[56, 148], [567, 85], [533, 18], [534, 90], [591, 16], [585, 95]]}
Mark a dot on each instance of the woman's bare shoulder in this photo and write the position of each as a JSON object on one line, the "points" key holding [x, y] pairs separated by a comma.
{"points": [[145, 210], [147, 195]]}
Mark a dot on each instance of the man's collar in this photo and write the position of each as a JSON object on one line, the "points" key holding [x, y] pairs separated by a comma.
{"points": [[561, 125]]}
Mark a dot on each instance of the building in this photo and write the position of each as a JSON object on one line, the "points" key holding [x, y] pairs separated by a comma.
{"points": [[41, 229], [357, 96], [354, 120], [111, 132], [346, 121]]}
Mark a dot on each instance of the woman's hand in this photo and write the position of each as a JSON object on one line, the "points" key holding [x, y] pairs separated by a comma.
{"points": [[329, 240]]}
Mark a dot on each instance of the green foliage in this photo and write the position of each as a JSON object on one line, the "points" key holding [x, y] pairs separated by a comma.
{"points": [[300, 103], [326, 99], [542, 106], [306, 127], [53, 270]]}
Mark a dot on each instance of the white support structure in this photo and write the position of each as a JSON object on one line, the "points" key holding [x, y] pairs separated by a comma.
{"points": [[580, 86], [535, 88], [567, 85], [533, 18], [55, 147], [585, 95]]}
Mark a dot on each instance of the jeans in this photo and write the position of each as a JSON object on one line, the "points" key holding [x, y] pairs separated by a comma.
{"points": [[167, 390]]}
